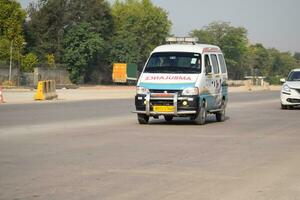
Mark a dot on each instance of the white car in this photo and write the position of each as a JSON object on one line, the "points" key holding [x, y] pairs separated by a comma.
{"points": [[290, 92]]}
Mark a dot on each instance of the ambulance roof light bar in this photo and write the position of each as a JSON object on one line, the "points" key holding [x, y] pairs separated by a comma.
{"points": [[181, 40]]}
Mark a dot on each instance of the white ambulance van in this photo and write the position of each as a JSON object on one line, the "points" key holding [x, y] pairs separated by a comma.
{"points": [[183, 79]]}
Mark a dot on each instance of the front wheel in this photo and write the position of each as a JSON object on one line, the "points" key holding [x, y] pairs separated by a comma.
{"points": [[200, 118], [220, 116], [143, 119]]}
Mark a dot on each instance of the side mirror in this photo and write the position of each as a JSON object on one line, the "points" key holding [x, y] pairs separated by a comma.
{"points": [[282, 80]]}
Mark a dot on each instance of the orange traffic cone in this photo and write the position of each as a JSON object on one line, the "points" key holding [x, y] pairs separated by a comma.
{"points": [[1, 96]]}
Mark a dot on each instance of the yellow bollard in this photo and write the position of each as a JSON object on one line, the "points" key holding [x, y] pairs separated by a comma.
{"points": [[46, 90], [40, 93]]}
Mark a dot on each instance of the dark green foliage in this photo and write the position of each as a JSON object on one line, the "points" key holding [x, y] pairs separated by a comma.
{"points": [[82, 46], [259, 58], [141, 26], [124, 48], [274, 80], [244, 59], [233, 42], [51, 18], [90, 35], [12, 17], [297, 55]]}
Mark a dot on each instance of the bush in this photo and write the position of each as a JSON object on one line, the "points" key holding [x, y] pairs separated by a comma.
{"points": [[274, 80]]}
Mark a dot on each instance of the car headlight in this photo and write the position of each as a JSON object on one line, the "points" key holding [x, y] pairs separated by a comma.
{"points": [[286, 88], [190, 91], [142, 90]]}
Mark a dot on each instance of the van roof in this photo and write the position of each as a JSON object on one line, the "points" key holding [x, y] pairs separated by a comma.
{"points": [[193, 48]]}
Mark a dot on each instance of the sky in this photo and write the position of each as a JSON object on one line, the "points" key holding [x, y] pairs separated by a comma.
{"points": [[274, 23]]}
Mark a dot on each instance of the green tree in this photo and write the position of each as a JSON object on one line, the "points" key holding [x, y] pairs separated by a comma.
{"points": [[297, 55], [281, 64], [233, 42], [12, 17], [4, 49], [288, 63], [29, 62], [147, 24], [82, 48], [203, 36], [124, 48], [259, 58], [297, 58], [50, 19]]}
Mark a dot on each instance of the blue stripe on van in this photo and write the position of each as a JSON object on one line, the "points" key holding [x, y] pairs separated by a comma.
{"points": [[162, 86]]}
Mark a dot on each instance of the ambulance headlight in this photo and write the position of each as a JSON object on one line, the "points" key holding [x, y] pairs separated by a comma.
{"points": [[141, 90], [190, 91]]}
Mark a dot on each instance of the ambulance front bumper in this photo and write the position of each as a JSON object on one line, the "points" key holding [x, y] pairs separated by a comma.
{"points": [[181, 105]]}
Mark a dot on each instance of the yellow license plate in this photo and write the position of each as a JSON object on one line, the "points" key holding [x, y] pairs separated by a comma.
{"points": [[163, 108]]}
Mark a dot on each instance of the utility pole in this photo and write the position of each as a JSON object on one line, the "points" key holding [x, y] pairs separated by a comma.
{"points": [[10, 62]]}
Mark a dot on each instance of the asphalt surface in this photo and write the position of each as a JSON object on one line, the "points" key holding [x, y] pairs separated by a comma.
{"points": [[96, 150]]}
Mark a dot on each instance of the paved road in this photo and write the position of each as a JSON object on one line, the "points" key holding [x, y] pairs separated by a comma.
{"points": [[96, 150]]}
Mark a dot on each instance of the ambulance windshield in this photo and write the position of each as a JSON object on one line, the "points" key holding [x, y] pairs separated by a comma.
{"points": [[174, 63]]}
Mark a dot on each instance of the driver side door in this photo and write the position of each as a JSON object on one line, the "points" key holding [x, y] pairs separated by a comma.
{"points": [[209, 82]]}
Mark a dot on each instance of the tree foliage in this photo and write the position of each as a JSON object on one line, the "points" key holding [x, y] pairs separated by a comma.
{"points": [[139, 26], [12, 17], [259, 58], [297, 56], [91, 35], [232, 40], [243, 58], [124, 48], [51, 18], [82, 46], [29, 62]]}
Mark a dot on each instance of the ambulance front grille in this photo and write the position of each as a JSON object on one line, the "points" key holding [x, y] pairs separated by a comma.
{"points": [[165, 91]]}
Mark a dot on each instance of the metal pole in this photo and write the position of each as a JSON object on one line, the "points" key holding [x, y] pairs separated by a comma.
{"points": [[10, 62]]}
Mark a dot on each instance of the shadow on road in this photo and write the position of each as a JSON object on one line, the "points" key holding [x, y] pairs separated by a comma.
{"points": [[291, 108], [184, 121]]}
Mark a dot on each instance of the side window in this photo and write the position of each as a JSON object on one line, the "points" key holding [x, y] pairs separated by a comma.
{"points": [[215, 63], [222, 63], [207, 64]]}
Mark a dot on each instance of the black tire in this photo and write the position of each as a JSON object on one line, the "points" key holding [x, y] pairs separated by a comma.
{"points": [[284, 107], [168, 118], [200, 118], [221, 115], [143, 119]]}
